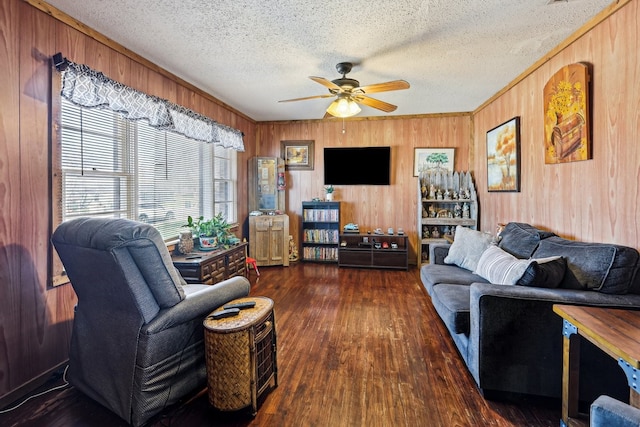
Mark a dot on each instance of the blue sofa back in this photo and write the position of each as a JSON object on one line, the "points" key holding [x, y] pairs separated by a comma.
{"points": [[603, 267]]}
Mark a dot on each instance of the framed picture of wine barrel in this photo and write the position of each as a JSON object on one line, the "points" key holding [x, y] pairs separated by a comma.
{"points": [[566, 115]]}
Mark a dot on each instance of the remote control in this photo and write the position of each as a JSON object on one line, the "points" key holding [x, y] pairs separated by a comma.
{"points": [[241, 305], [225, 313]]}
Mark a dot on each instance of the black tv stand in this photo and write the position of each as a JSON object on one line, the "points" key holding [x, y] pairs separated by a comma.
{"points": [[373, 251]]}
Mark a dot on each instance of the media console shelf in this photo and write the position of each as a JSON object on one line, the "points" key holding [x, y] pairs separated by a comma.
{"points": [[373, 251]]}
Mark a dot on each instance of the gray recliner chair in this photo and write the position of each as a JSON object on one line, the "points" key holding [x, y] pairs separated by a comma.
{"points": [[138, 341]]}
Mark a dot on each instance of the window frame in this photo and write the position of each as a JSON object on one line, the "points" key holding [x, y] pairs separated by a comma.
{"points": [[59, 174]]}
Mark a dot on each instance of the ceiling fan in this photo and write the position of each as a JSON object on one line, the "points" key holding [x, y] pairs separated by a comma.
{"points": [[349, 93]]}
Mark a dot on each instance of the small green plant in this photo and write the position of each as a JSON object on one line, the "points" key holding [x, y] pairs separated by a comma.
{"points": [[214, 227], [329, 189]]}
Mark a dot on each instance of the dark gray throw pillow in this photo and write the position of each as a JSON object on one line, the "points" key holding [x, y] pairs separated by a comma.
{"points": [[519, 239], [544, 274]]}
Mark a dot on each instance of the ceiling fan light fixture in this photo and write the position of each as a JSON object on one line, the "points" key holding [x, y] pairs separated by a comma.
{"points": [[343, 107], [349, 93]]}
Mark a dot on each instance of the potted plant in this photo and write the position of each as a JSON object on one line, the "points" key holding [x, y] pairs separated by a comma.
{"points": [[212, 233], [329, 192]]}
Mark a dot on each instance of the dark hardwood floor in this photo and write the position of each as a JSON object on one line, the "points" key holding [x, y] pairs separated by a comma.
{"points": [[356, 347]]}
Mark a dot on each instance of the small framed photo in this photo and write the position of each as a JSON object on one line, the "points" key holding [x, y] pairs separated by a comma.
{"points": [[503, 157], [297, 155], [432, 159]]}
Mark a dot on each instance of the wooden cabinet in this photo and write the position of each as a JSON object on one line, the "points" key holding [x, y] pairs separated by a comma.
{"points": [[445, 200], [373, 251], [237, 261], [266, 184], [269, 239], [320, 231], [210, 267]]}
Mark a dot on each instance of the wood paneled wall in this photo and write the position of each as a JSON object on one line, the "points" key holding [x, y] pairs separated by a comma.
{"points": [[369, 206], [35, 319], [595, 200]]}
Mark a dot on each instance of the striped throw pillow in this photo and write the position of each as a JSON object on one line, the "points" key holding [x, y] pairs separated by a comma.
{"points": [[500, 267]]}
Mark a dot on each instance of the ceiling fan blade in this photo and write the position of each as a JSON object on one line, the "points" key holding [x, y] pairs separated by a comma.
{"points": [[375, 103], [326, 83], [327, 95], [384, 87]]}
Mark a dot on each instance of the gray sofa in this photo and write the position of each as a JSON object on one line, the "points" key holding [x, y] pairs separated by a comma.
{"points": [[137, 344], [508, 336]]}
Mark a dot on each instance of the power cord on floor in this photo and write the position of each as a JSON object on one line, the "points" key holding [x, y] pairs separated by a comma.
{"points": [[59, 387]]}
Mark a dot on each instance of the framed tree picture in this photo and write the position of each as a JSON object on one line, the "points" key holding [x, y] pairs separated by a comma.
{"points": [[503, 156], [297, 155], [432, 159]]}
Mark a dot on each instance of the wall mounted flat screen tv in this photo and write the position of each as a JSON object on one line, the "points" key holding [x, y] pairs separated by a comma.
{"points": [[357, 166]]}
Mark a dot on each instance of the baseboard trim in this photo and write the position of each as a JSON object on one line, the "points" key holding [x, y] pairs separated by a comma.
{"points": [[22, 392]]}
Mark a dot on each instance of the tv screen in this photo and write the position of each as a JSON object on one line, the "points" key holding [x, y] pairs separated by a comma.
{"points": [[357, 166]]}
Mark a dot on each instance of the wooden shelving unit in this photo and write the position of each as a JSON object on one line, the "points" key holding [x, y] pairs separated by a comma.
{"points": [[445, 200], [320, 231]]}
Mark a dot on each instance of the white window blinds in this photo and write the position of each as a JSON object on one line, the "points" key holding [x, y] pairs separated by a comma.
{"points": [[116, 167]]}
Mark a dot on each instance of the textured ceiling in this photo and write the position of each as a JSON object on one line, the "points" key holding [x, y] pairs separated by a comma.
{"points": [[250, 54]]}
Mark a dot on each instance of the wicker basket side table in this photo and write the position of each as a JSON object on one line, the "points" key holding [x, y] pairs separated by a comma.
{"points": [[240, 353]]}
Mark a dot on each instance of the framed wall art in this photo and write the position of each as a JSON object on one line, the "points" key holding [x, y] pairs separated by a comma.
{"points": [[566, 115], [432, 159], [503, 156], [297, 155]]}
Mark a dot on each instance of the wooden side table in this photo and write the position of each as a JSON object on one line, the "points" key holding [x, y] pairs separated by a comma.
{"points": [[614, 331], [211, 267], [240, 353]]}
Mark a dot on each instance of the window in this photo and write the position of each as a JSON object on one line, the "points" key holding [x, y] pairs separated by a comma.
{"points": [[114, 167]]}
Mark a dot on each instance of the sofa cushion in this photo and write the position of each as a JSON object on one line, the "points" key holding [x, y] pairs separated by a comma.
{"points": [[452, 304], [500, 267], [544, 273], [467, 247], [434, 274], [607, 268], [521, 240]]}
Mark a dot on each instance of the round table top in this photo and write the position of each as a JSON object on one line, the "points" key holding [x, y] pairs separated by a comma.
{"points": [[246, 317]]}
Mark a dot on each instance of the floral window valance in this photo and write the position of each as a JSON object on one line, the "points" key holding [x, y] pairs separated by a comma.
{"points": [[92, 89]]}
